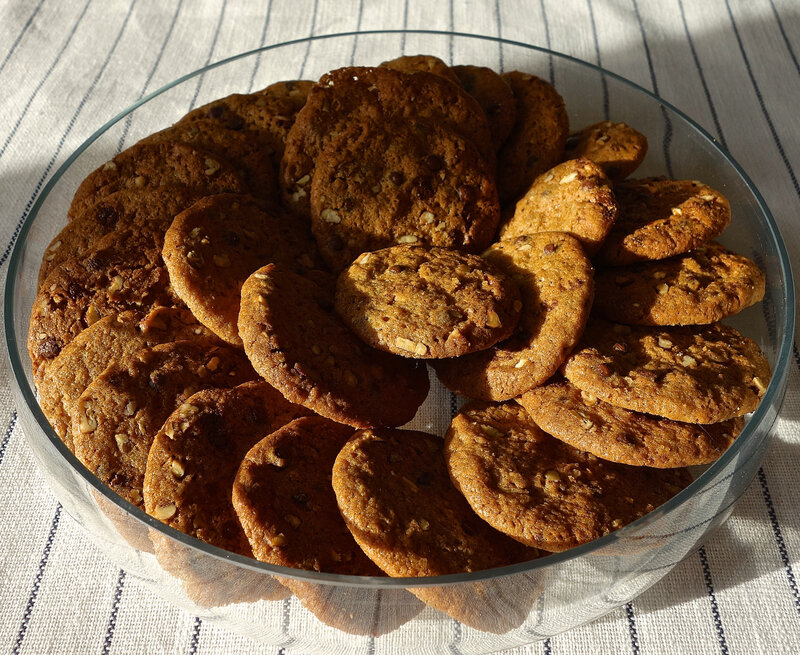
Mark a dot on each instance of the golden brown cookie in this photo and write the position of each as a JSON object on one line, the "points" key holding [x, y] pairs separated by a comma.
{"points": [[575, 197], [555, 279], [536, 142], [111, 338], [620, 435], [153, 165], [403, 183], [616, 147], [702, 286], [301, 347], [427, 303], [422, 64], [541, 491], [659, 218], [116, 418], [213, 246], [495, 97], [704, 374]]}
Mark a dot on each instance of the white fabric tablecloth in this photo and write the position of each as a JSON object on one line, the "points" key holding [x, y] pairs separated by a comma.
{"points": [[66, 67]]}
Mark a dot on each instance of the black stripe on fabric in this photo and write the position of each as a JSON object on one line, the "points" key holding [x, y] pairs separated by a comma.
{"points": [[26, 617], [7, 436], [776, 530], [654, 82], [285, 625], [112, 619], [452, 22], [310, 33], [405, 27], [632, 628], [551, 69], [21, 34], [195, 640], [547, 649], [359, 18], [129, 117], [453, 647], [497, 14], [599, 60], [261, 44], [707, 93], [210, 52], [783, 34], [723, 644]]}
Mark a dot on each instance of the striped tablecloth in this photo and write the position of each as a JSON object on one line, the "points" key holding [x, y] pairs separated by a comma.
{"points": [[66, 67]]}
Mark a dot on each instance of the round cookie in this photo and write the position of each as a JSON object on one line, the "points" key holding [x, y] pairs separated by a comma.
{"points": [[658, 218], [575, 197], [136, 208], [616, 147], [555, 279], [112, 337], [704, 374], [493, 95], [301, 347], [192, 463], [536, 142], [541, 491], [620, 435], [116, 418], [427, 303], [699, 287], [370, 97], [422, 64], [153, 165], [405, 183], [123, 270], [212, 247]]}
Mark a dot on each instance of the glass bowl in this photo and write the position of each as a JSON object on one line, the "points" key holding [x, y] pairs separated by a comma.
{"points": [[487, 610]]}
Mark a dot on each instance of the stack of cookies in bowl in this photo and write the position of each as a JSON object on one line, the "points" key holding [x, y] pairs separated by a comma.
{"points": [[245, 308]]}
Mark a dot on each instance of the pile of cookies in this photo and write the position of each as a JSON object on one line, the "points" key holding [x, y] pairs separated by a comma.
{"points": [[239, 314]]}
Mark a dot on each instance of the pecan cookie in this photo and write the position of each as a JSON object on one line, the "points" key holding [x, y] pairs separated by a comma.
{"points": [[495, 97], [555, 279], [620, 435], [659, 217], [704, 374], [213, 246], [422, 64], [541, 491], [616, 147], [574, 197], [427, 303], [409, 183], [300, 346], [702, 286]]}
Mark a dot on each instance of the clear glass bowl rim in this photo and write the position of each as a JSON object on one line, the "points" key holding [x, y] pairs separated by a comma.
{"points": [[777, 383]]}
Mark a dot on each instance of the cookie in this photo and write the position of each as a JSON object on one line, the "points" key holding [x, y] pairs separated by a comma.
{"points": [[575, 197], [620, 435], [123, 270], [136, 208], [495, 97], [702, 286], [153, 165], [555, 279], [542, 491], [369, 97], [658, 218], [111, 338], [537, 140], [616, 147], [703, 374], [213, 246], [193, 459], [407, 183], [301, 347], [427, 303], [116, 418], [422, 64]]}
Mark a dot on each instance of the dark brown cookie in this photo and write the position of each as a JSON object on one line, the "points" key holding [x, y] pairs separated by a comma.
{"points": [[541, 491], [698, 287], [153, 165], [407, 183], [620, 435], [422, 64], [616, 147], [111, 338], [536, 142], [213, 246], [703, 374], [116, 418], [495, 97], [659, 218], [364, 97], [574, 197], [301, 347], [555, 279], [427, 303]]}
